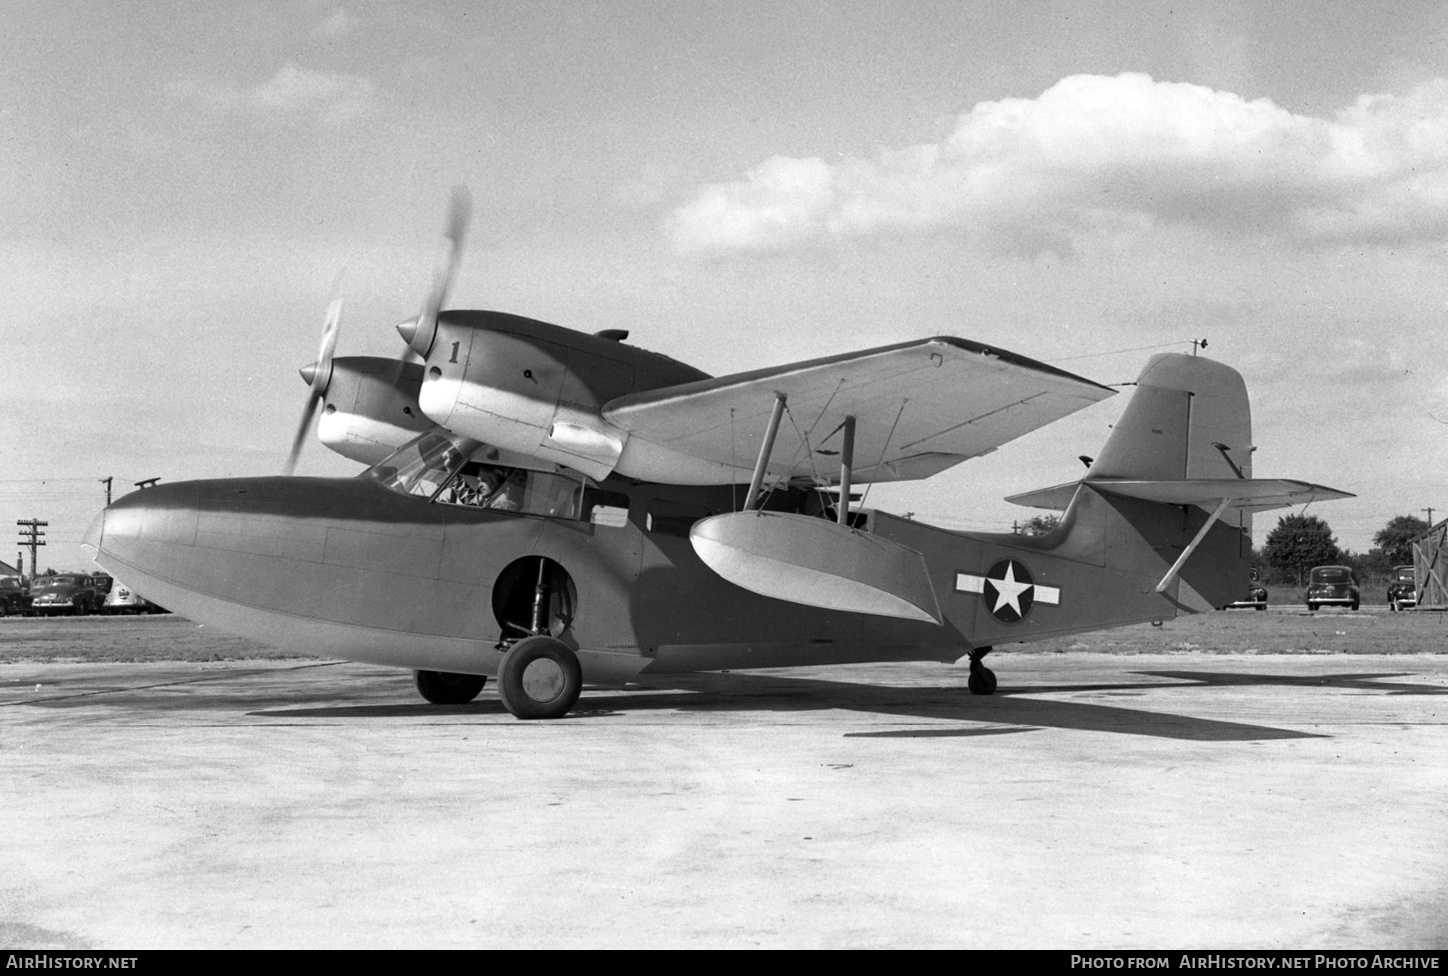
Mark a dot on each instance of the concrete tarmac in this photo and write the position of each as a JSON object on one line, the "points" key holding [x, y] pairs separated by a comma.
{"points": [[1097, 801]]}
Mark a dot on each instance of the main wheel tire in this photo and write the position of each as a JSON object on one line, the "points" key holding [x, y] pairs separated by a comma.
{"points": [[540, 677], [448, 688]]}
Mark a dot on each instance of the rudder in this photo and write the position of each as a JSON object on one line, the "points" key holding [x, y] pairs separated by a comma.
{"points": [[1188, 418]]}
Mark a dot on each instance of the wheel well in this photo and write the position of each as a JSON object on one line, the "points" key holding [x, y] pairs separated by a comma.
{"points": [[534, 595]]}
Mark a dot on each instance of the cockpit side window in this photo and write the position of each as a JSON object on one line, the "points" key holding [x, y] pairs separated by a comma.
{"points": [[607, 508], [439, 466], [513, 490]]}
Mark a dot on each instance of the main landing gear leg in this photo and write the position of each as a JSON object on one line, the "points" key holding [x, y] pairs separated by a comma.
{"points": [[982, 679]]}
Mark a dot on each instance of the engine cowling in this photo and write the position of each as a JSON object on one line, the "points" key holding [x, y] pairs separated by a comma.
{"points": [[534, 388], [371, 407]]}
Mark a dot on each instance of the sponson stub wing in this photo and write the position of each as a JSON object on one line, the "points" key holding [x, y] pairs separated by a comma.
{"points": [[920, 407]]}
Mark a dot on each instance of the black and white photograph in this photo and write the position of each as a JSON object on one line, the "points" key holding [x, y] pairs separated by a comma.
{"points": [[725, 474]]}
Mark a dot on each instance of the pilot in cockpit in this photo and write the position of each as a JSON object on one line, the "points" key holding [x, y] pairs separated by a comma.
{"points": [[499, 489], [508, 496]]}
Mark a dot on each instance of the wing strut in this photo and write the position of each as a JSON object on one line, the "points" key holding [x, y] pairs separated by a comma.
{"points": [[1176, 567], [847, 462], [752, 500]]}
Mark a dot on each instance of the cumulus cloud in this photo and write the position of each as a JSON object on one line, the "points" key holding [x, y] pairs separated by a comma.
{"points": [[293, 92], [336, 23], [1095, 156]]}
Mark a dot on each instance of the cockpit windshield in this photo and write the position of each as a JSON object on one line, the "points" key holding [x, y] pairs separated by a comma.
{"points": [[440, 467], [424, 464]]}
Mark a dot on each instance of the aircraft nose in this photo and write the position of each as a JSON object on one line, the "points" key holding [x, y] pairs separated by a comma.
{"points": [[91, 541], [137, 525]]}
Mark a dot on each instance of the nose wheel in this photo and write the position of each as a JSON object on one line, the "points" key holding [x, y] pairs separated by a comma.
{"points": [[982, 679]]}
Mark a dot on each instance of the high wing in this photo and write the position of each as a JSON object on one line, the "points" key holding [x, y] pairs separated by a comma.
{"points": [[920, 407]]}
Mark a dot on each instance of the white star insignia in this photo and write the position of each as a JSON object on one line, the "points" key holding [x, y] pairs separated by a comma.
{"points": [[1008, 591]]}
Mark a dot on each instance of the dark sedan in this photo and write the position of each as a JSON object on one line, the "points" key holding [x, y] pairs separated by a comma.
{"points": [[72, 593], [1403, 590], [14, 595], [1331, 586], [1256, 597]]}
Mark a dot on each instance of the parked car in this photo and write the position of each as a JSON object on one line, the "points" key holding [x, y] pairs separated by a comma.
{"points": [[71, 593], [1403, 590], [1331, 586], [1256, 597], [14, 596], [123, 599]]}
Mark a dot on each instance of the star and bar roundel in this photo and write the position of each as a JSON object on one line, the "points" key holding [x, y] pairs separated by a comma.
{"points": [[1008, 590]]}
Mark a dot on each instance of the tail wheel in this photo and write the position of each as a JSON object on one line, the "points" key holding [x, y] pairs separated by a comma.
{"points": [[982, 680], [540, 677]]}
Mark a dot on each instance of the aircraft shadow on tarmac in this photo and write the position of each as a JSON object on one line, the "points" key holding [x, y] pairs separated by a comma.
{"points": [[1348, 682], [1008, 711], [1005, 712]]}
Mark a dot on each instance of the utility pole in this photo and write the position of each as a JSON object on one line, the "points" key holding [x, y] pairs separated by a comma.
{"points": [[107, 482], [1430, 515], [31, 537]]}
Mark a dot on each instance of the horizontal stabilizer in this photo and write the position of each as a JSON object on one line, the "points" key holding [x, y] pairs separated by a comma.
{"points": [[1056, 498], [1245, 494], [817, 563]]}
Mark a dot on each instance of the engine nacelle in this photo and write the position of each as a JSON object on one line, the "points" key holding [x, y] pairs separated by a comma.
{"points": [[371, 408], [535, 388]]}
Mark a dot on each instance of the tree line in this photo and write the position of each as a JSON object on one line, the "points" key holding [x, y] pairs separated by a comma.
{"points": [[1300, 542]]}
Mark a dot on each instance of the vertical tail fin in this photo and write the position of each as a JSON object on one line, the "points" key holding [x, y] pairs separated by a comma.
{"points": [[1188, 418], [1183, 445]]}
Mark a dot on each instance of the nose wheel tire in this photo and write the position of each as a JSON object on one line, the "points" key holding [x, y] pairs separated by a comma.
{"points": [[540, 677], [447, 688]]}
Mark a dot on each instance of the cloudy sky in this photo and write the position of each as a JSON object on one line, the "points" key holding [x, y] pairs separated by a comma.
{"points": [[739, 184]]}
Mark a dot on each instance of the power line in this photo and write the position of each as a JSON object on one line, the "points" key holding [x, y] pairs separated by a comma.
{"points": [[17, 481]]}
